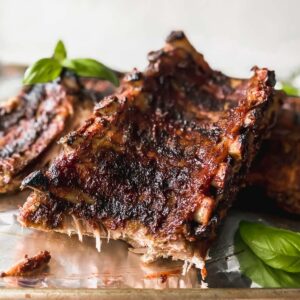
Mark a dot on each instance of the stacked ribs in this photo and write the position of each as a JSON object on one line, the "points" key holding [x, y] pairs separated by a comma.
{"points": [[160, 161]]}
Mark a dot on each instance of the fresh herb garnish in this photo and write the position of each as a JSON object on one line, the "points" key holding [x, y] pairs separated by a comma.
{"points": [[259, 272], [44, 70], [290, 89], [47, 69], [278, 248], [60, 52], [87, 67], [269, 256]]}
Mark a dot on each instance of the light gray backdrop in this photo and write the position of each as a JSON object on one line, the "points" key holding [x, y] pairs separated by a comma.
{"points": [[233, 34]]}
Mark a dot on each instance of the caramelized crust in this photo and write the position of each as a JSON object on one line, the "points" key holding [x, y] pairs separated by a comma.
{"points": [[29, 265], [160, 161], [38, 116], [277, 166]]}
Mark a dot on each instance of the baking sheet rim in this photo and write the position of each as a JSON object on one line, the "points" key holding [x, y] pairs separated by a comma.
{"points": [[114, 293]]}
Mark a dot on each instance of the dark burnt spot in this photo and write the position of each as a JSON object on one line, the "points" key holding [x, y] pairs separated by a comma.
{"points": [[36, 179], [63, 172], [271, 79], [50, 212]]}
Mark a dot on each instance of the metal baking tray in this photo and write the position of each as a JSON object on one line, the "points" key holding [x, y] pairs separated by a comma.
{"points": [[78, 271]]}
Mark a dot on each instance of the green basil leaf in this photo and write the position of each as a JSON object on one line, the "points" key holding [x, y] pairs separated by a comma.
{"points": [[86, 67], [290, 89], [44, 70], [278, 248], [60, 52], [260, 273]]}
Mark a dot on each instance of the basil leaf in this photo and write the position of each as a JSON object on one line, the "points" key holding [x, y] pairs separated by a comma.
{"points": [[87, 67], [60, 52], [260, 273], [278, 248], [47, 69], [44, 70], [290, 89]]}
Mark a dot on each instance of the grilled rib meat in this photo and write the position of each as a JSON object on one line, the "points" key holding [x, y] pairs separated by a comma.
{"points": [[31, 122], [29, 265], [159, 163], [277, 166]]}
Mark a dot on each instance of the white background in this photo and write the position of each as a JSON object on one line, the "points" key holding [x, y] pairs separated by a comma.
{"points": [[234, 35]]}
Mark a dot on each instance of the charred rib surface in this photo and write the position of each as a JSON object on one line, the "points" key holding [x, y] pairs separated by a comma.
{"points": [[160, 162]]}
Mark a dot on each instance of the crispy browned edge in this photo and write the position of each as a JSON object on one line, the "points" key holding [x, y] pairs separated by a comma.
{"points": [[29, 265], [263, 106]]}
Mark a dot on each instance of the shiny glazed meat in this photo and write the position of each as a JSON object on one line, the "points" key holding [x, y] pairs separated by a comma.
{"points": [[159, 162]]}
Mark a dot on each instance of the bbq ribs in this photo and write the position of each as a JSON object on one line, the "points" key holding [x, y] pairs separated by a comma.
{"points": [[31, 122], [159, 162], [276, 168]]}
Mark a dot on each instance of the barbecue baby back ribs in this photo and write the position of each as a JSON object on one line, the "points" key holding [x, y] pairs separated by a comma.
{"points": [[159, 162], [277, 166], [31, 122]]}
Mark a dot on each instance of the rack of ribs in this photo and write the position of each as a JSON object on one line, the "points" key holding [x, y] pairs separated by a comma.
{"points": [[276, 168], [159, 162], [31, 123]]}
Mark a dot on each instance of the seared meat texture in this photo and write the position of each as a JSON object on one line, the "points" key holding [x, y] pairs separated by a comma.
{"points": [[277, 166], [32, 121], [29, 265], [159, 162]]}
